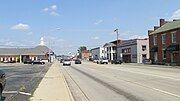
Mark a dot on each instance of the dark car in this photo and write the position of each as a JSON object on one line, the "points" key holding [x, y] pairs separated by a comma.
{"points": [[116, 62], [28, 62], [61, 60], [77, 61], [38, 62], [2, 82]]}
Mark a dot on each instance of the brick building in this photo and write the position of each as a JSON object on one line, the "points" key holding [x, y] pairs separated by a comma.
{"points": [[164, 42], [85, 54]]}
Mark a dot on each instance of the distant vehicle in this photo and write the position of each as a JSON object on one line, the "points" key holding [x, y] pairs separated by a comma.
{"points": [[77, 61], [147, 61], [38, 62], [67, 62], [6, 61], [61, 60], [102, 61], [95, 61], [2, 82], [116, 62], [28, 62]]}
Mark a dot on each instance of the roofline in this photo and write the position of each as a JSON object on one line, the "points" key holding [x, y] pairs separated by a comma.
{"points": [[95, 48], [164, 31]]}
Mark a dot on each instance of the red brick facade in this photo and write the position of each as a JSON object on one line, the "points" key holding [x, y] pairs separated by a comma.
{"points": [[85, 55], [171, 56]]}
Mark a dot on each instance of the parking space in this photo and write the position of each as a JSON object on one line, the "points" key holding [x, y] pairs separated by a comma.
{"points": [[22, 80]]}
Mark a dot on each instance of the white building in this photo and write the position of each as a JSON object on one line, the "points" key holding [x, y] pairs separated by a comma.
{"points": [[97, 53], [110, 50], [134, 50]]}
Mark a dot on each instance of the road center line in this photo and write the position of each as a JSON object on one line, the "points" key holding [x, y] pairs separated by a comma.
{"points": [[150, 74], [162, 91]]}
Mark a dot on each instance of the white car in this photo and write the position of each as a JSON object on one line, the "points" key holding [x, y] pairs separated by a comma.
{"points": [[66, 63], [102, 61], [95, 61]]}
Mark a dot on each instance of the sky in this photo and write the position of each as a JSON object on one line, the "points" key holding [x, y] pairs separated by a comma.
{"points": [[69, 24]]}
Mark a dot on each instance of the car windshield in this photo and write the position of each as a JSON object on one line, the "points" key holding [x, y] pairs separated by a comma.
{"points": [[67, 60], [89, 50]]}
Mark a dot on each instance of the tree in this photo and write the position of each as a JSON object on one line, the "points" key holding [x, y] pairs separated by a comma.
{"points": [[80, 50]]}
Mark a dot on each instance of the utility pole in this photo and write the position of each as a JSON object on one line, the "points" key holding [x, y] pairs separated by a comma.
{"points": [[116, 30]]}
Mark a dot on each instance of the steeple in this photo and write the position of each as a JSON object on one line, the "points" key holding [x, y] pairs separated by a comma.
{"points": [[42, 41]]}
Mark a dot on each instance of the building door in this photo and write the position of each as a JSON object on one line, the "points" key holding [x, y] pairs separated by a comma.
{"points": [[127, 58], [155, 57], [144, 56]]}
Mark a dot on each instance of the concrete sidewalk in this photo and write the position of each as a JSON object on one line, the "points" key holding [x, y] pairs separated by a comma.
{"points": [[53, 86]]}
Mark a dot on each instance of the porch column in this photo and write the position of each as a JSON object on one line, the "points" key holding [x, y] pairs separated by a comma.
{"points": [[20, 57]]}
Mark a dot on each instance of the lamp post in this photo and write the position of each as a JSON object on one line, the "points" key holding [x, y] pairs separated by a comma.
{"points": [[116, 30]]}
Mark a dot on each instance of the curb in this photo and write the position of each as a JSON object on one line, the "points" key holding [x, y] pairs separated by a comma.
{"points": [[67, 87]]}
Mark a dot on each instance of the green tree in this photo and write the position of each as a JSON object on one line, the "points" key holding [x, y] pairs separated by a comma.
{"points": [[80, 50]]}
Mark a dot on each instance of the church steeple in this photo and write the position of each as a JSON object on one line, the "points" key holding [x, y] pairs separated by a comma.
{"points": [[42, 42]]}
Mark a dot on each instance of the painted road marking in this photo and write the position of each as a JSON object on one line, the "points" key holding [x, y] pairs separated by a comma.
{"points": [[159, 90], [150, 74], [15, 92]]}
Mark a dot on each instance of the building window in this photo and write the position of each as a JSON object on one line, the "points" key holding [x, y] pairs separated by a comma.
{"points": [[127, 50], [163, 38], [155, 40], [173, 35], [102, 51], [164, 54], [143, 47], [114, 48]]}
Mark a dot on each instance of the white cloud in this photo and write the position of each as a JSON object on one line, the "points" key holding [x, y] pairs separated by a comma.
{"points": [[54, 13], [98, 22], [176, 14], [52, 10], [46, 9], [95, 38], [53, 7], [20, 26]]}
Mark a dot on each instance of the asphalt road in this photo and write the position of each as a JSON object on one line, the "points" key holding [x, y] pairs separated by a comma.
{"points": [[126, 82], [22, 80]]}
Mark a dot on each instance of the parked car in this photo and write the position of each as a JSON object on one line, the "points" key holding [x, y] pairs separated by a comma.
{"points": [[2, 82], [77, 61], [102, 61], [67, 62], [6, 61], [38, 62], [61, 60], [95, 61], [116, 62], [147, 61], [28, 62]]}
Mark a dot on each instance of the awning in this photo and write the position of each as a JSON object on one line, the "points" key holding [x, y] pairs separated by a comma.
{"points": [[154, 49], [173, 48]]}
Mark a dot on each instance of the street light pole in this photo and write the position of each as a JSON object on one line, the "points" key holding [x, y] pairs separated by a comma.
{"points": [[116, 30]]}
